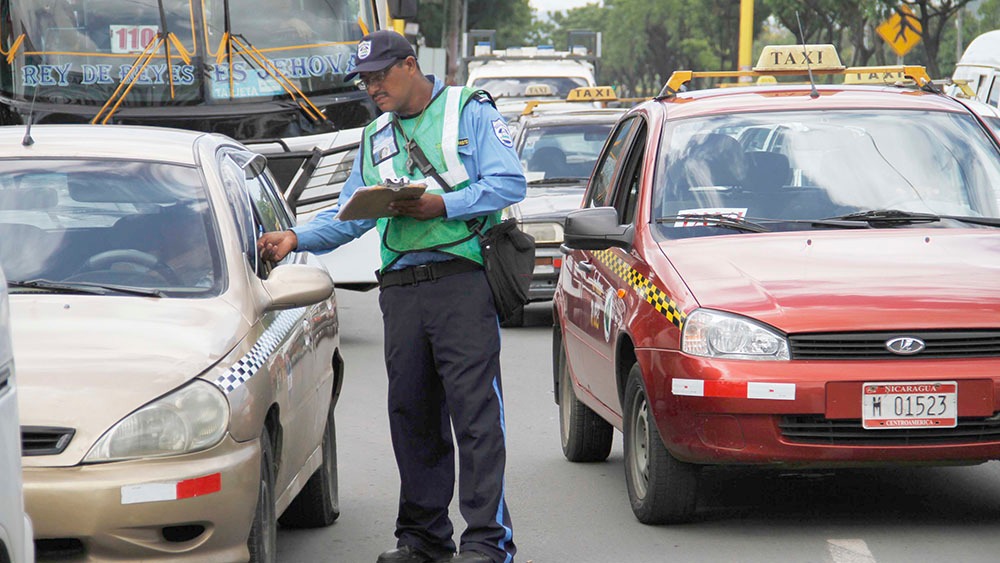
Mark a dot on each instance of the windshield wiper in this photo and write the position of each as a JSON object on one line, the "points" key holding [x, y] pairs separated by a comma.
{"points": [[558, 180], [877, 217], [718, 221], [85, 287]]}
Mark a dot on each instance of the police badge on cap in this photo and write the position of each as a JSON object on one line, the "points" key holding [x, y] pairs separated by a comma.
{"points": [[380, 49]]}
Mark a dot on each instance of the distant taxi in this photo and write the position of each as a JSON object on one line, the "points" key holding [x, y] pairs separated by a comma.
{"points": [[558, 144], [789, 275], [176, 392]]}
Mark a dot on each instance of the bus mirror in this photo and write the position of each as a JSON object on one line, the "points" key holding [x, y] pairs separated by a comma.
{"points": [[402, 9]]}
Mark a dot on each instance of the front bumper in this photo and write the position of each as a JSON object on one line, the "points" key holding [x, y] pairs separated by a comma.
{"points": [[748, 412], [124, 511]]}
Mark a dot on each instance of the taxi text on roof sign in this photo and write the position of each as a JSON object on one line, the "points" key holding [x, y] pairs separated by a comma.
{"points": [[798, 58], [592, 94], [875, 77]]}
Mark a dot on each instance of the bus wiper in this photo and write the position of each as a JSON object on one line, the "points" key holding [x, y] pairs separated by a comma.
{"points": [[86, 288], [718, 221], [877, 217]]}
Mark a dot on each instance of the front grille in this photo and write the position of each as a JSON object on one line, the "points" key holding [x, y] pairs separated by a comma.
{"points": [[871, 345], [44, 440], [815, 429]]}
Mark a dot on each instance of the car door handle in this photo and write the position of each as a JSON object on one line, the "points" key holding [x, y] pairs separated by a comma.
{"points": [[584, 266]]}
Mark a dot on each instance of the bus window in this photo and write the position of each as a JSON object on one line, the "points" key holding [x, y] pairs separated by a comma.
{"points": [[80, 51]]}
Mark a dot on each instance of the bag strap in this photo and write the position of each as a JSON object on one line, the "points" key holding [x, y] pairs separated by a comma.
{"points": [[420, 161]]}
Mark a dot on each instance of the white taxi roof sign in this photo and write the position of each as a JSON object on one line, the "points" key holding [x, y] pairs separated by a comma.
{"points": [[776, 58], [538, 90], [592, 94]]}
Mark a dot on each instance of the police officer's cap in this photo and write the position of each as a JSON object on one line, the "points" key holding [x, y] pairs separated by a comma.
{"points": [[380, 49]]}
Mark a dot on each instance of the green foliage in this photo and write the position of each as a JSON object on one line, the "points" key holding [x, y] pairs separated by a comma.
{"points": [[644, 40]]}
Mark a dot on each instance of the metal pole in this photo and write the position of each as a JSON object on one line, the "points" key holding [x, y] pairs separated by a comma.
{"points": [[746, 37]]}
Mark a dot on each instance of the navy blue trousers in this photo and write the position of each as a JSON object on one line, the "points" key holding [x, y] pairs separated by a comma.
{"points": [[442, 354]]}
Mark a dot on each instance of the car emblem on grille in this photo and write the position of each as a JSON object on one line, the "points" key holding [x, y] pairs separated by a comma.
{"points": [[905, 345]]}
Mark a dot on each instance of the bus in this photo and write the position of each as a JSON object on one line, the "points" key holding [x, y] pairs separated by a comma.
{"points": [[265, 72]]}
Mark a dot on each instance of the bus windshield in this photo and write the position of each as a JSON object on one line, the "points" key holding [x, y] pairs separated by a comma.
{"points": [[158, 53]]}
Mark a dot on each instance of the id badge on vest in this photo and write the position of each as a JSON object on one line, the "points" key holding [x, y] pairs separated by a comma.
{"points": [[383, 144]]}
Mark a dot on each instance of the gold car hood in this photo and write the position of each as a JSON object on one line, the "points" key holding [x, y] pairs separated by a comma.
{"points": [[86, 362]]}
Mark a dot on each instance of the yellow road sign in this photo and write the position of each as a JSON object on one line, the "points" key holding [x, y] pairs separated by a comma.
{"points": [[902, 31]]}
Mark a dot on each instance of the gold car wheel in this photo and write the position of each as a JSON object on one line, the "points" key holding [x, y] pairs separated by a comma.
{"points": [[263, 540]]}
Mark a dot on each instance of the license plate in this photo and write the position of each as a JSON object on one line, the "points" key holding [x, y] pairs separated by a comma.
{"points": [[906, 404]]}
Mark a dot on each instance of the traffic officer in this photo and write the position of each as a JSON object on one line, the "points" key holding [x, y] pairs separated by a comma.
{"points": [[442, 339]]}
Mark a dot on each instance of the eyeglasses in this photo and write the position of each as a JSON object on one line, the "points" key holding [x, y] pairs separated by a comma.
{"points": [[372, 78]]}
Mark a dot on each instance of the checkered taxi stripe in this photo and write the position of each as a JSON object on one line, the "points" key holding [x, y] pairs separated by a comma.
{"points": [[248, 365], [643, 287]]}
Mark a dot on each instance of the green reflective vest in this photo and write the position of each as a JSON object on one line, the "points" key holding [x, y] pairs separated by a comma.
{"points": [[385, 155]]}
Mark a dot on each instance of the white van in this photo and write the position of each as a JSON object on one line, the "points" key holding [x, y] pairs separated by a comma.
{"points": [[16, 543], [979, 67]]}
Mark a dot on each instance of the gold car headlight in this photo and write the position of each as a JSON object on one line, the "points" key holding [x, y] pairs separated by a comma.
{"points": [[544, 233], [713, 334], [193, 418]]}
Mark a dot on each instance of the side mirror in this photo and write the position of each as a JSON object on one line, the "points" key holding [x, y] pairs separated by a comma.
{"points": [[402, 9], [297, 285], [254, 166], [596, 228]]}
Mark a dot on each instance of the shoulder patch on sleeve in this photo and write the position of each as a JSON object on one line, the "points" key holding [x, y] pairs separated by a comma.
{"points": [[502, 133], [483, 97]]}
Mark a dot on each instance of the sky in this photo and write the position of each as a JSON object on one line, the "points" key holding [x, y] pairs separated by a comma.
{"points": [[559, 5]]}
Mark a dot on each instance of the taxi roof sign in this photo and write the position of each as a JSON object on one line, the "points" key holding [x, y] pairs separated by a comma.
{"points": [[776, 58], [592, 94], [799, 60], [875, 76]]}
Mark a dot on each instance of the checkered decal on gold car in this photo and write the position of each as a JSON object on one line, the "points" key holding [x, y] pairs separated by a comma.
{"points": [[250, 364], [644, 288]]}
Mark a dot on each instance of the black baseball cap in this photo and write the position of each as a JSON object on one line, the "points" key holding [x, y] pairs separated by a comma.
{"points": [[378, 50]]}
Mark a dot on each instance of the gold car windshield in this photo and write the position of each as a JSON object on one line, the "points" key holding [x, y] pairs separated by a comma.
{"points": [[178, 52], [103, 223]]}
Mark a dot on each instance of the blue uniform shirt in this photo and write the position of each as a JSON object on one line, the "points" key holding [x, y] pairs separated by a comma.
{"points": [[495, 182]]}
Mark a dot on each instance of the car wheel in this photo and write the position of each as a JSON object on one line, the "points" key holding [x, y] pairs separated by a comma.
{"points": [[515, 319], [585, 435], [661, 488], [318, 503], [263, 540]]}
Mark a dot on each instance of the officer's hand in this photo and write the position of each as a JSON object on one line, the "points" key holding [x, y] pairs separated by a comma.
{"points": [[427, 207], [274, 246]]}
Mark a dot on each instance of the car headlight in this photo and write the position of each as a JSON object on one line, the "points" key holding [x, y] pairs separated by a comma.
{"points": [[544, 233], [193, 418], [721, 335]]}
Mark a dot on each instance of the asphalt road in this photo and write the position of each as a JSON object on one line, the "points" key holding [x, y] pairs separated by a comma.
{"points": [[565, 512]]}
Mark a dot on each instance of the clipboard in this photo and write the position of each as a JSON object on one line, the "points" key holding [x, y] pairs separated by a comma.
{"points": [[372, 202]]}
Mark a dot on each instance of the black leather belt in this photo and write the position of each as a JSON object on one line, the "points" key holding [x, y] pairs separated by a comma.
{"points": [[425, 272]]}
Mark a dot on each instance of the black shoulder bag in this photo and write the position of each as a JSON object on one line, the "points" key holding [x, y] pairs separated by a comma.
{"points": [[508, 252]]}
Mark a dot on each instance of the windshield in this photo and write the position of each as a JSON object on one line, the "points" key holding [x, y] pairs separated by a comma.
{"points": [[529, 86], [563, 151], [129, 224], [80, 51], [814, 165]]}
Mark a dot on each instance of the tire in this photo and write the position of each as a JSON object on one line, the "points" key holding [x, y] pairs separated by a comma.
{"points": [[516, 319], [661, 489], [263, 540], [318, 503], [585, 436]]}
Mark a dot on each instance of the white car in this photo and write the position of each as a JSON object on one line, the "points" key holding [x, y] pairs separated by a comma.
{"points": [[16, 545]]}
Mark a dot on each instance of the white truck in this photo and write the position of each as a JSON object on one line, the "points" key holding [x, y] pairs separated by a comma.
{"points": [[515, 75], [979, 68]]}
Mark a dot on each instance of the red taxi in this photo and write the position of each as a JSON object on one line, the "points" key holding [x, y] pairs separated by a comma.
{"points": [[794, 275]]}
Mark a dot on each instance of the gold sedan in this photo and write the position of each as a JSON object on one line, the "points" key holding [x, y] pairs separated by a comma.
{"points": [[176, 392]]}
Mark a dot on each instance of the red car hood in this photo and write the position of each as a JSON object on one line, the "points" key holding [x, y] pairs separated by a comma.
{"points": [[848, 280]]}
